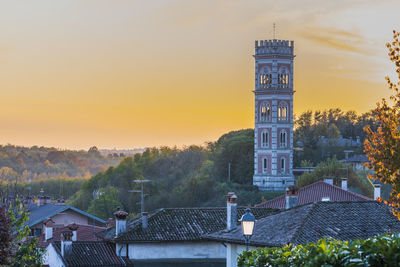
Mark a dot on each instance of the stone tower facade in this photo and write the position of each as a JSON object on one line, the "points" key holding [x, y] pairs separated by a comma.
{"points": [[273, 132]]}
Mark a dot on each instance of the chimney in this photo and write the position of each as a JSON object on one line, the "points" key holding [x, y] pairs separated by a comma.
{"points": [[344, 184], [48, 229], [231, 211], [66, 244], [291, 196], [328, 181], [144, 220], [377, 191], [74, 228], [120, 222]]}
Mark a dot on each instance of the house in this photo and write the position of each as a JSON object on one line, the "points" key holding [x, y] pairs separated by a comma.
{"points": [[310, 222], [80, 232], [357, 162], [318, 191], [61, 215], [175, 235], [83, 253]]}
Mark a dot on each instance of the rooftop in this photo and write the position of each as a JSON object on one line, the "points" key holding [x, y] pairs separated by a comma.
{"points": [[314, 193], [92, 254], [309, 223], [179, 224], [38, 214]]}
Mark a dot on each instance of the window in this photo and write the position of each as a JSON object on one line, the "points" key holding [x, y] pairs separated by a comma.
{"points": [[265, 113], [264, 139], [283, 112], [282, 165], [283, 80], [265, 162], [282, 139], [265, 80]]}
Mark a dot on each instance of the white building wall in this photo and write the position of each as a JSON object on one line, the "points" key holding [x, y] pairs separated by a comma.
{"points": [[233, 251], [177, 250], [52, 258]]}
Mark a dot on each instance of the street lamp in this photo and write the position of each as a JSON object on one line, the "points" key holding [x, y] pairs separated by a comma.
{"points": [[247, 222]]}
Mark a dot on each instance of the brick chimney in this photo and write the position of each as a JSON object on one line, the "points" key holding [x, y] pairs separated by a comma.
{"points": [[291, 197], [48, 229], [231, 211], [66, 244], [377, 191], [74, 228], [120, 222], [144, 220], [344, 184]]}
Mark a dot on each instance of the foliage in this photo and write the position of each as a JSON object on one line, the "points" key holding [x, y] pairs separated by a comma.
{"points": [[382, 250], [25, 249], [316, 134], [34, 163], [188, 177], [383, 145], [336, 170], [5, 237]]}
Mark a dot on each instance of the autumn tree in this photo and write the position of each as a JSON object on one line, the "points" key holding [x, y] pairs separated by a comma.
{"points": [[383, 145]]}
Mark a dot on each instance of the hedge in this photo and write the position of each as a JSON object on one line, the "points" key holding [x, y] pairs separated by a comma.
{"points": [[382, 250]]}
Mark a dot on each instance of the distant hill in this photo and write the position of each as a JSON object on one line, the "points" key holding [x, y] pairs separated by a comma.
{"points": [[34, 163]]}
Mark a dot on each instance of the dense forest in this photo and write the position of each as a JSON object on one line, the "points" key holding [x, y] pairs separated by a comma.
{"points": [[38, 163], [195, 175]]}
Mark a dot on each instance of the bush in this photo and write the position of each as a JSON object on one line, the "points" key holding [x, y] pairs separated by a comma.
{"points": [[382, 250]]}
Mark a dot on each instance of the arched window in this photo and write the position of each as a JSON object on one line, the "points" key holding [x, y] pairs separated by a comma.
{"points": [[265, 165], [264, 139], [283, 139], [265, 78], [265, 113], [282, 165], [283, 77], [283, 112]]}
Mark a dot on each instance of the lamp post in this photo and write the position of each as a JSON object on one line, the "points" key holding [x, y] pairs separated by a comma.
{"points": [[247, 221]]}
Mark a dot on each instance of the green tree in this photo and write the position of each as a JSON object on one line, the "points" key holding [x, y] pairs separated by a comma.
{"points": [[383, 145], [25, 249], [105, 202], [5, 237]]}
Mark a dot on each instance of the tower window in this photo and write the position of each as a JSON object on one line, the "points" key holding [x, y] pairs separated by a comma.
{"points": [[282, 165], [283, 80], [264, 139], [264, 165], [283, 113], [265, 80], [282, 139], [265, 113]]}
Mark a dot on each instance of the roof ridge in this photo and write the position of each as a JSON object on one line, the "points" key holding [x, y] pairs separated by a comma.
{"points": [[348, 191]]}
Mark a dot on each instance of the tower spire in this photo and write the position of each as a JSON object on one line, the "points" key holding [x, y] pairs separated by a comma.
{"points": [[274, 29]]}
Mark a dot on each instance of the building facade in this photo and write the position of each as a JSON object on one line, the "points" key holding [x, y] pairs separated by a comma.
{"points": [[273, 131]]}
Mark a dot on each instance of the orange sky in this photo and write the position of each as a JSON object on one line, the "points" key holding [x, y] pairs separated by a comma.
{"points": [[130, 74]]}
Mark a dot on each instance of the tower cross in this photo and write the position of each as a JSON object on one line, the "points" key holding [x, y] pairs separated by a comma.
{"points": [[274, 29]]}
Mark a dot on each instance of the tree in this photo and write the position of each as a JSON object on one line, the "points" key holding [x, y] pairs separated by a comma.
{"points": [[5, 237], [24, 249], [383, 145]]}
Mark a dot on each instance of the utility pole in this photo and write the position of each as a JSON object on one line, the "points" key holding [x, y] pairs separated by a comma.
{"points": [[229, 173], [142, 195]]}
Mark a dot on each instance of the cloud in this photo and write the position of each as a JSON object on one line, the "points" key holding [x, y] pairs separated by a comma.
{"points": [[337, 39]]}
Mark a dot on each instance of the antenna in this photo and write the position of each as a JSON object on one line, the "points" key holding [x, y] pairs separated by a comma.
{"points": [[142, 194], [274, 29]]}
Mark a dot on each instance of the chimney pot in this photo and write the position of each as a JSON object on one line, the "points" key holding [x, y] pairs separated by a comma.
{"points": [[291, 196], [74, 228], [48, 229], [344, 184], [377, 191], [231, 211], [120, 222], [66, 244]]}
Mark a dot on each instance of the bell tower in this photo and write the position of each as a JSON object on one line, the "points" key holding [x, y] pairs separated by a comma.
{"points": [[273, 131]]}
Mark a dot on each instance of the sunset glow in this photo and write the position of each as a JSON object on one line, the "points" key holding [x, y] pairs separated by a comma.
{"points": [[129, 74]]}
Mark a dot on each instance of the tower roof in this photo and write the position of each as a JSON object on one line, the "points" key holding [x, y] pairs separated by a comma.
{"points": [[274, 47]]}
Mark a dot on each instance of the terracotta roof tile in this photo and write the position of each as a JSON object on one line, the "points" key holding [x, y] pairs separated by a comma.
{"points": [[314, 193]]}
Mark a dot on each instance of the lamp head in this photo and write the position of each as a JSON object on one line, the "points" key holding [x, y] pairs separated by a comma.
{"points": [[247, 221]]}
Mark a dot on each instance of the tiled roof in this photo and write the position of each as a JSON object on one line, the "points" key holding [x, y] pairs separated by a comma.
{"points": [[92, 254], [179, 224], [314, 193], [84, 233], [38, 214], [311, 222]]}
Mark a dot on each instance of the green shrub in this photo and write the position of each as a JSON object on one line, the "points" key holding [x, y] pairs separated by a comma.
{"points": [[383, 250]]}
